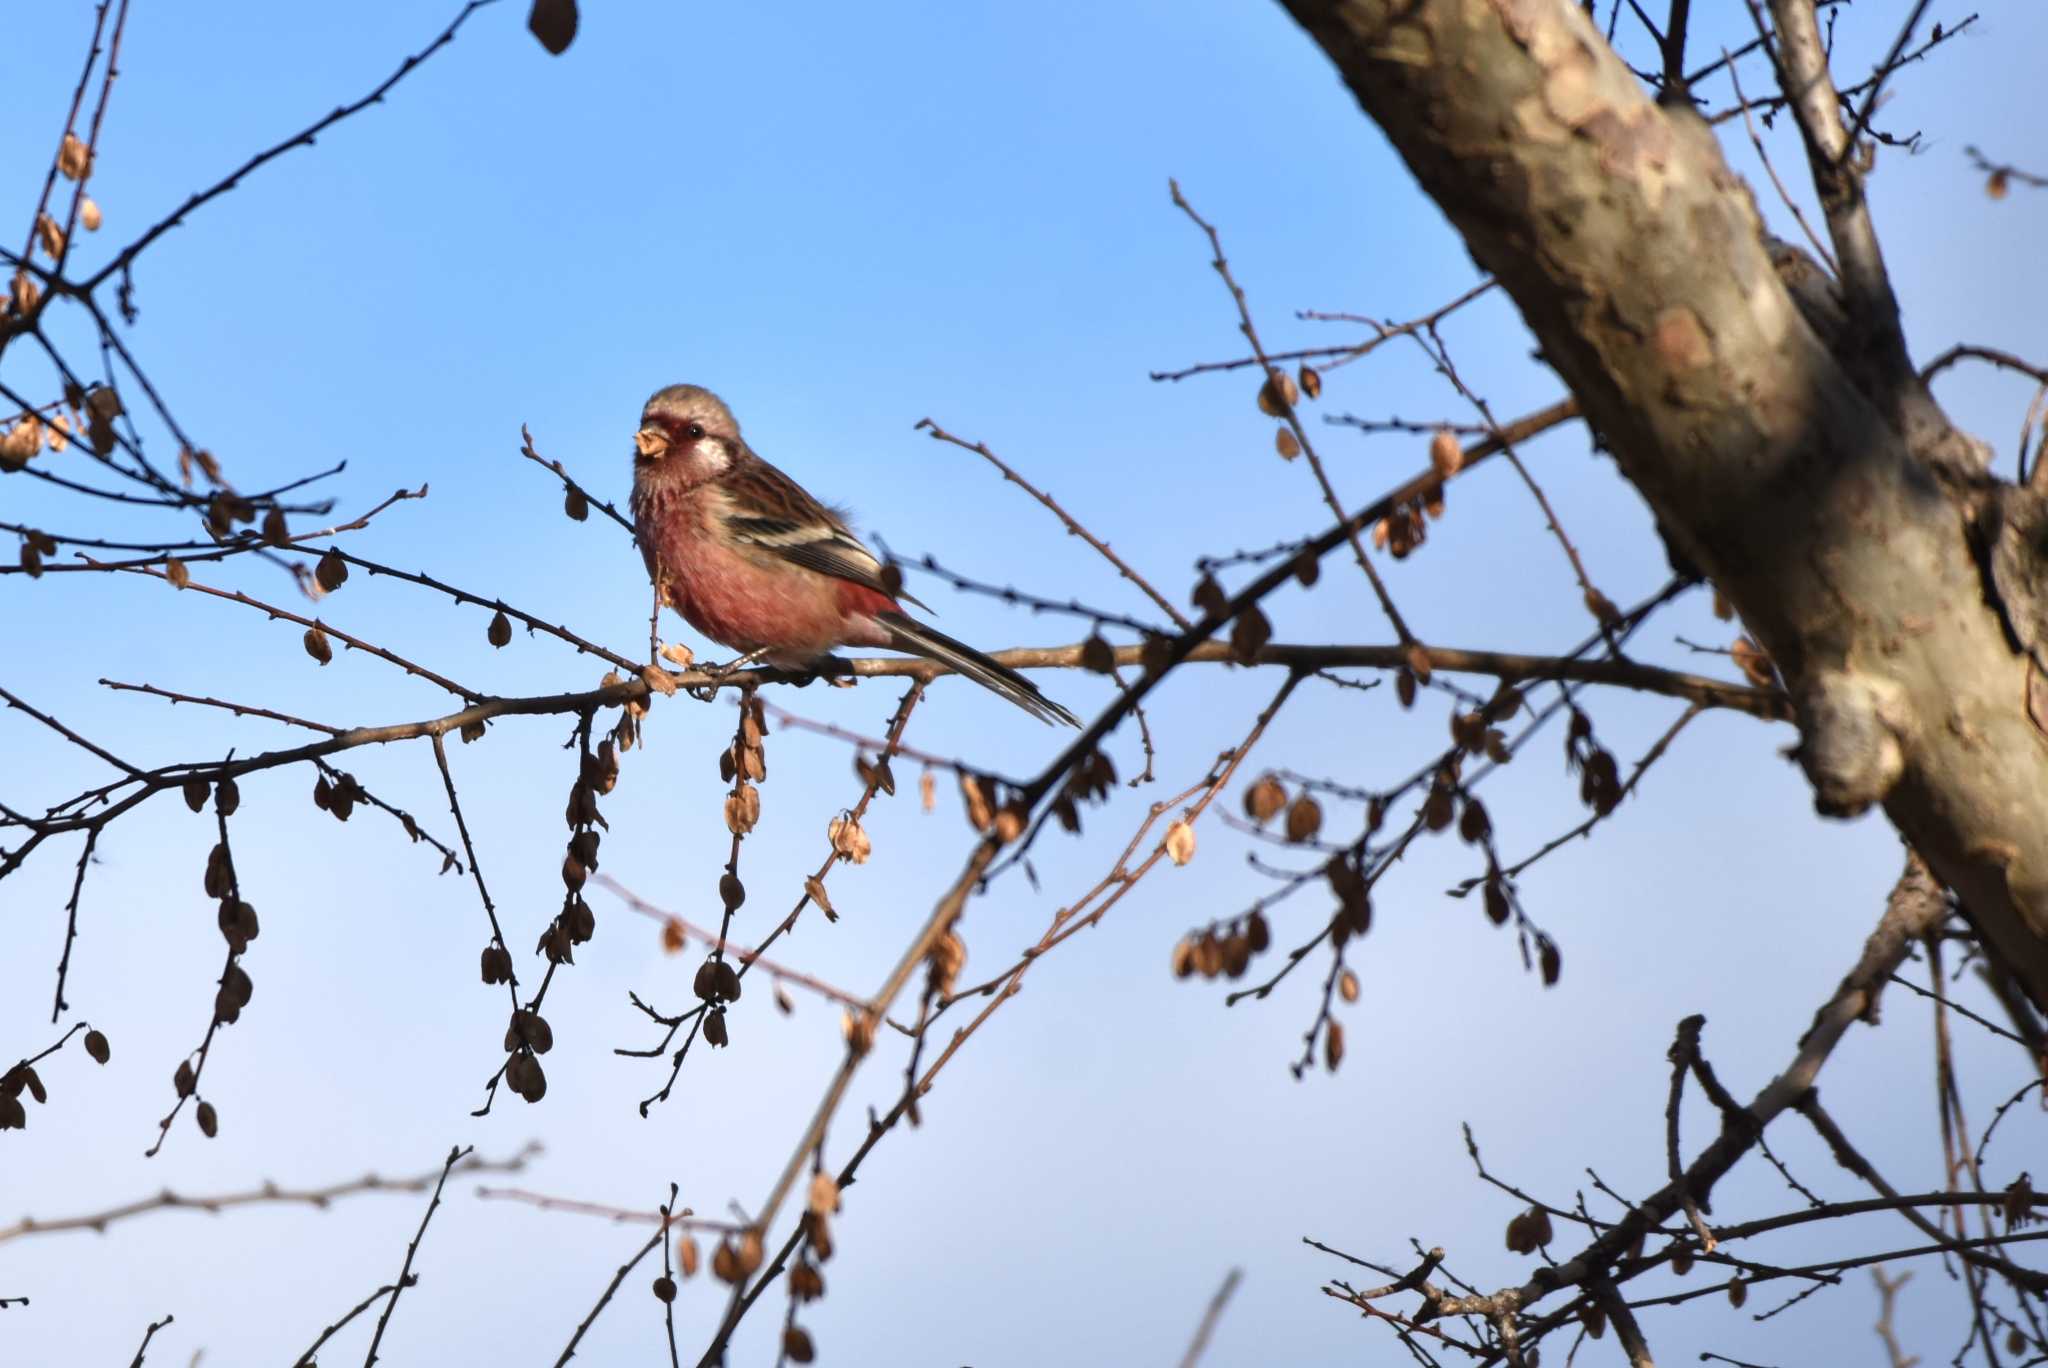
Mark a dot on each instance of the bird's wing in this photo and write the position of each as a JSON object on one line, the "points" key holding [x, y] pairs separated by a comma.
{"points": [[767, 510]]}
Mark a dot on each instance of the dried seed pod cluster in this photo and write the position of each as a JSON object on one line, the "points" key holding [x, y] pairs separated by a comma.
{"points": [[1224, 949]]}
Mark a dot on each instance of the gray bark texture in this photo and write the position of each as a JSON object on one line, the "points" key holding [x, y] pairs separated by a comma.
{"points": [[1768, 414]]}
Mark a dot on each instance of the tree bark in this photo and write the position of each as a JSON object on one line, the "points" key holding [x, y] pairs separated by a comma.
{"points": [[1822, 491]]}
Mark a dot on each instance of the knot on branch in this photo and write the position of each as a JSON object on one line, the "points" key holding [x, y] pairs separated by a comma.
{"points": [[1852, 727]]}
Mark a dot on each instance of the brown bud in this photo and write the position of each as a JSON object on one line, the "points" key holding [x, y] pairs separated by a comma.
{"points": [[208, 1119], [317, 647], [89, 214], [1285, 443], [1473, 823], [673, 938], [1209, 597], [1551, 960], [275, 530], [184, 1080], [731, 891], [1180, 842], [664, 1289], [1258, 936], [1347, 986], [1999, 182], [1311, 381], [1681, 1259], [1404, 687], [1333, 1045], [500, 630], [96, 1046], [796, 1342], [687, 1255], [1097, 655], [575, 505]]}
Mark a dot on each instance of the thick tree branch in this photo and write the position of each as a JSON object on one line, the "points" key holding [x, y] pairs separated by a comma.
{"points": [[1801, 487]]}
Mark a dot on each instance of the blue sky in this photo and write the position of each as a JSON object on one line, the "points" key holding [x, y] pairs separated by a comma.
{"points": [[846, 219]]}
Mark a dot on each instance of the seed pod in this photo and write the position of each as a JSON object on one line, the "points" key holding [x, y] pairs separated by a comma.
{"points": [[1304, 819], [849, 840], [184, 1080], [687, 1255], [673, 938], [725, 1262], [275, 530], [1180, 842], [1311, 381], [50, 236], [1681, 1259], [806, 1283], [664, 1289], [1009, 823], [796, 1342], [317, 647], [1551, 960], [1594, 1317], [980, 797], [196, 790], [1404, 687], [1249, 635], [500, 630], [96, 1046], [496, 964], [824, 1194], [750, 1252], [1738, 1292], [715, 1032], [1473, 824], [1258, 936], [1285, 443], [89, 214], [731, 891], [209, 1120], [1183, 958], [1264, 799], [1347, 986], [575, 505], [227, 797], [1445, 454], [1333, 1045], [553, 22], [705, 984], [1497, 907], [814, 888], [726, 981], [1278, 394], [1097, 654], [74, 158]]}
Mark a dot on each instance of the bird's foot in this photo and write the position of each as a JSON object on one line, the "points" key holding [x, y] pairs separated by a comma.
{"points": [[719, 673]]}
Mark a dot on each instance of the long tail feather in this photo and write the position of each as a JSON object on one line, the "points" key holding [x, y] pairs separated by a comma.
{"points": [[907, 634]]}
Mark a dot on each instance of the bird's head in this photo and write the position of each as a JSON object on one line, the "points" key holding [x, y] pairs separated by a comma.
{"points": [[686, 432]]}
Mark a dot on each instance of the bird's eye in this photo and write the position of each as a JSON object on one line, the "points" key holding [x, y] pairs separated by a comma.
{"points": [[696, 431]]}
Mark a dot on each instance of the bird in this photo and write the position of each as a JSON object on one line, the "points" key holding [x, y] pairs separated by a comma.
{"points": [[753, 562]]}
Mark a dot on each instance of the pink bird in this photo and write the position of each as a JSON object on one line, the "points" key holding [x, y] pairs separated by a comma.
{"points": [[755, 563]]}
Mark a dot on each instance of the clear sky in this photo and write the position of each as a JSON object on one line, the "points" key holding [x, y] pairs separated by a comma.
{"points": [[845, 219]]}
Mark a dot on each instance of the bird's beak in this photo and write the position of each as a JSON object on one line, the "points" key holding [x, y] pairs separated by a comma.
{"points": [[652, 443]]}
